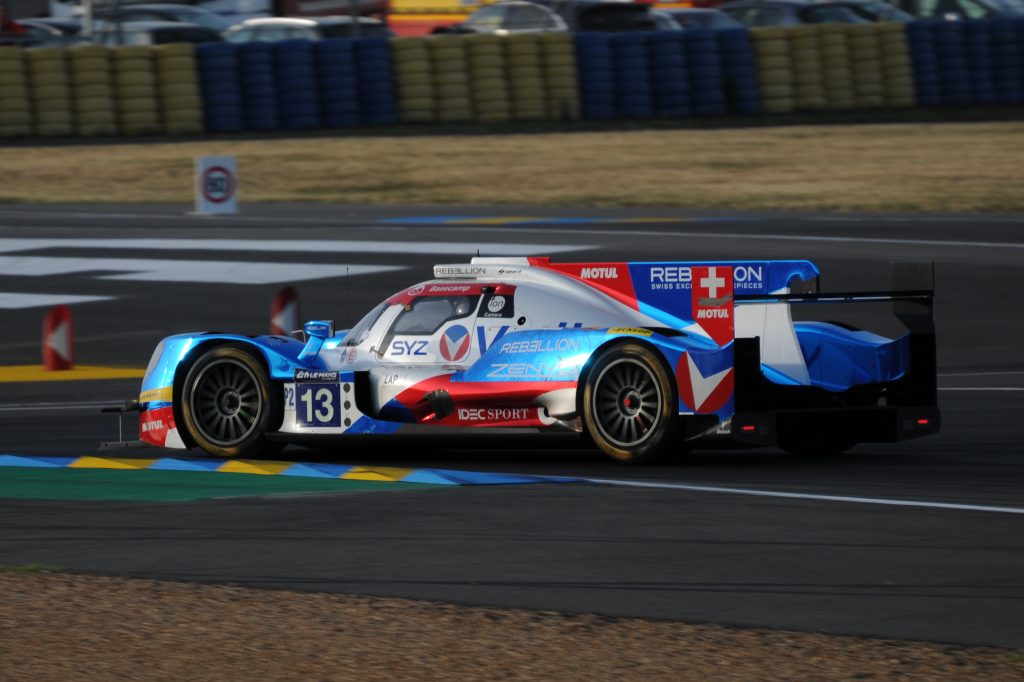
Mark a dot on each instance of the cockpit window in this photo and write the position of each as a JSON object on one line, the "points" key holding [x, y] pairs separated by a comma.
{"points": [[426, 315], [358, 333]]}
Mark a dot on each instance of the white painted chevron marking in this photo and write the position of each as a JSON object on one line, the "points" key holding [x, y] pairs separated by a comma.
{"points": [[288, 318], [209, 272], [58, 340], [17, 301]]}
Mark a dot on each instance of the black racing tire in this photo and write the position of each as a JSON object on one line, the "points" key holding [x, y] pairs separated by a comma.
{"points": [[630, 405], [229, 404]]}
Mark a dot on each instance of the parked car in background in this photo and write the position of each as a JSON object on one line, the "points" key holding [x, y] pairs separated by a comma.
{"points": [[517, 16], [796, 12], [69, 28], [188, 14], [314, 28], [958, 10], [34, 34], [153, 33], [700, 17]]}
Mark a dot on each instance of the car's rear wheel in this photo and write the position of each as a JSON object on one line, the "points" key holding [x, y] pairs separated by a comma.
{"points": [[229, 404], [629, 404]]}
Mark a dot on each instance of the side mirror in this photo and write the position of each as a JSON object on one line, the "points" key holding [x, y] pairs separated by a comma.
{"points": [[316, 331]]}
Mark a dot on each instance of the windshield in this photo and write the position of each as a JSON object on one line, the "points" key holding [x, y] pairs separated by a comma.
{"points": [[358, 333]]}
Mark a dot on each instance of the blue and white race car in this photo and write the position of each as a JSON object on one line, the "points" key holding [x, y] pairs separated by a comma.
{"points": [[646, 359]]}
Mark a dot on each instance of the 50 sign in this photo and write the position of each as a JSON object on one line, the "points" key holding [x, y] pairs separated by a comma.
{"points": [[317, 405]]}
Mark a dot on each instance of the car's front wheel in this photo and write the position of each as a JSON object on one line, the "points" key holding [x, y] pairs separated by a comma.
{"points": [[229, 404], [629, 404]]}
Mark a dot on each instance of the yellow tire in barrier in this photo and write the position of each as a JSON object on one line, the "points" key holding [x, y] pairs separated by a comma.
{"points": [[104, 90], [90, 78], [451, 77], [487, 62], [129, 52], [861, 53], [771, 48], [522, 51], [525, 72], [142, 117], [487, 73], [174, 50], [139, 129], [187, 103], [48, 92], [523, 61], [88, 104], [449, 90], [88, 64], [184, 127], [53, 116], [406, 91], [806, 56], [179, 90], [15, 117], [560, 83], [459, 115], [448, 54], [783, 105], [170, 64], [11, 78], [15, 130], [410, 56], [553, 72], [554, 39], [134, 78], [417, 73], [493, 117], [53, 129], [96, 129], [10, 53], [77, 52], [125, 106], [35, 55], [835, 53], [405, 44], [777, 91], [775, 77], [774, 62], [42, 80], [416, 116], [837, 74], [416, 104], [484, 51], [564, 61], [133, 66], [769, 32], [441, 41], [95, 117], [450, 66]]}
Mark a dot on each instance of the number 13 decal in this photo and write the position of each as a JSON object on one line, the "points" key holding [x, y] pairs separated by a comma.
{"points": [[317, 405]]}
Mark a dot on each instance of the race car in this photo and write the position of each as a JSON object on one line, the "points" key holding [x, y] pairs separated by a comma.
{"points": [[646, 359]]}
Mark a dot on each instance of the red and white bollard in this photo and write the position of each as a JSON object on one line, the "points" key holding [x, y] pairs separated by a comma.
{"points": [[58, 339], [284, 312]]}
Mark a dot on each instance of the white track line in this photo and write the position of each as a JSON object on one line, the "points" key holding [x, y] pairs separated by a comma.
{"points": [[979, 374], [983, 388], [808, 496], [84, 405]]}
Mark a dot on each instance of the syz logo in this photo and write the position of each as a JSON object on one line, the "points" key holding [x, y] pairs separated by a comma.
{"points": [[600, 273], [400, 347]]}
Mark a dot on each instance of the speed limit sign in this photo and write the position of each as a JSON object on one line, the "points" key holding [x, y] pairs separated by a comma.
{"points": [[216, 185]]}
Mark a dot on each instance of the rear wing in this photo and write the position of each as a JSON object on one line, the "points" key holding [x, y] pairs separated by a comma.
{"points": [[913, 303]]}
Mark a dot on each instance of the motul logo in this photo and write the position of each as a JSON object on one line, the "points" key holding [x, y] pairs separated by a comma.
{"points": [[706, 313], [600, 273]]}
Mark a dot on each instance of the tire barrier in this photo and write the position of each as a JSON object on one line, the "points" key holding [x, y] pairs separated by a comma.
{"points": [[135, 91], [525, 77], [706, 77], [670, 75], [15, 103], [596, 76], [414, 80], [897, 75], [739, 68], [92, 90], [808, 72], [257, 87], [488, 78], [632, 75], [775, 77], [299, 85], [336, 82], [49, 90], [181, 104], [220, 86], [375, 81], [298, 102], [558, 62]]}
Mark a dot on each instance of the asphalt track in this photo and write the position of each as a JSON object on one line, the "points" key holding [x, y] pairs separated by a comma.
{"points": [[863, 545]]}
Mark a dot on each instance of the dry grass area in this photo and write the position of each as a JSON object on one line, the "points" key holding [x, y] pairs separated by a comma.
{"points": [[960, 167], [60, 627]]}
